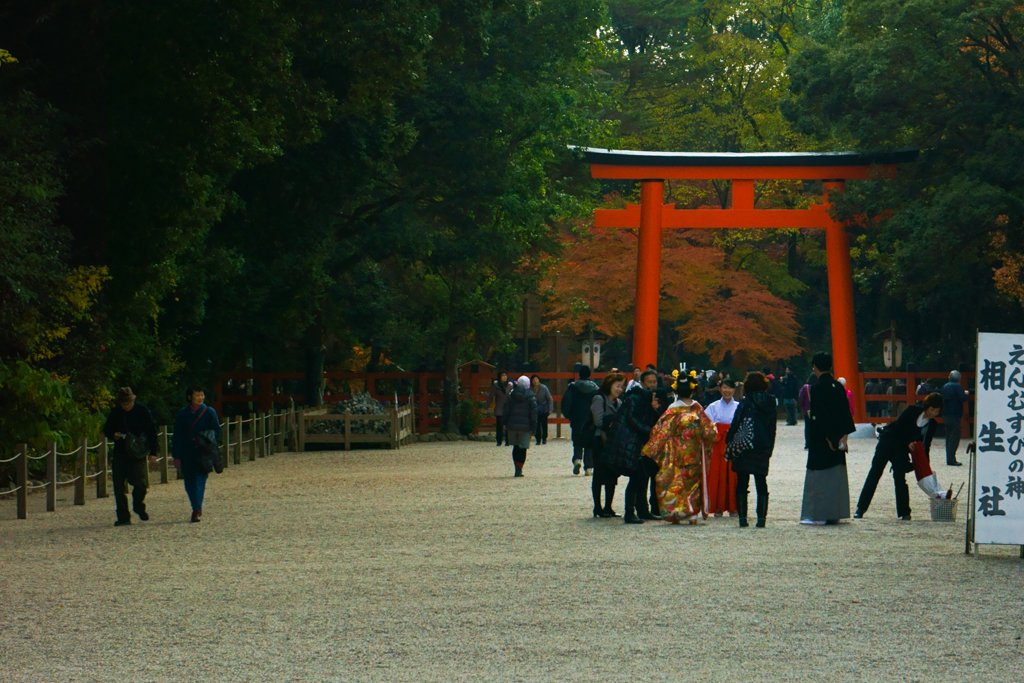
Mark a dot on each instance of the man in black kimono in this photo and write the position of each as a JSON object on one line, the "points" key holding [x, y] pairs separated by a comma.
{"points": [[826, 487]]}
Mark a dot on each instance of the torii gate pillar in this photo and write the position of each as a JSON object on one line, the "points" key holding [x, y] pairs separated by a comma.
{"points": [[840, 304], [648, 275]]}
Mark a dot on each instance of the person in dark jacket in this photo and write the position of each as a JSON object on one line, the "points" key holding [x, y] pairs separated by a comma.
{"points": [[790, 395], [130, 418], [760, 406], [603, 410], [520, 417], [576, 406], [545, 404], [954, 397], [826, 487], [500, 389], [915, 423], [639, 413], [194, 418]]}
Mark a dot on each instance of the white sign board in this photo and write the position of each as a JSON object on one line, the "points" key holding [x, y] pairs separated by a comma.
{"points": [[999, 436]]}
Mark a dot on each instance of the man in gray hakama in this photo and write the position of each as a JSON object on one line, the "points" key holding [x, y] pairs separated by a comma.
{"points": [[826, 487]]}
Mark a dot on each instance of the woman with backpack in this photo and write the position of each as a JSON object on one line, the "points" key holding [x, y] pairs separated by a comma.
{"points": [[750, 442], [604, 413], [191, 421]]}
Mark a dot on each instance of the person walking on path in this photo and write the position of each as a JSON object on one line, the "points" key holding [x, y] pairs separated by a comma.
{"points": [[520, 421], [761, 408], [826, 486], [679, 445], [190, 421], [639, 413], [954, 397], [131, 428], [545, 404], [915, 424], [576, 406], [604, 412], [790, 395], [500, 389], [721, 483]]}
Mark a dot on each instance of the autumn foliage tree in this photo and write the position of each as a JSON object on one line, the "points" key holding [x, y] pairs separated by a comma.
{"points": [[706, 307]]}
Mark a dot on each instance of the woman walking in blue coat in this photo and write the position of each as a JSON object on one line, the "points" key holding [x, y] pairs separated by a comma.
{"points": [[191, 420]]}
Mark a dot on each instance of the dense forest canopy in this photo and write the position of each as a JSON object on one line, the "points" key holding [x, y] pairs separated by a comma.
{"points": [[198, 187]]}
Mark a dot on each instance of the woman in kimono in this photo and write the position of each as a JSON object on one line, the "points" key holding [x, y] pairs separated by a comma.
{"points": [[721, 478], [678, 444]]}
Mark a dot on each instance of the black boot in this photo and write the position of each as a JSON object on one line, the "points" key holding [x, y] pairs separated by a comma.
{"points": [[741, 509], [762, 510], [609, 496], [519, 471]]}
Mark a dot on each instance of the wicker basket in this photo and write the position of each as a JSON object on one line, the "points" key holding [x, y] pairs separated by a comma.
{"points": [[944, 510]]}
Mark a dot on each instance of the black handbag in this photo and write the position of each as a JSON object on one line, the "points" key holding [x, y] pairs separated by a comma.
{"points": [[137, 445], [208, 452]]}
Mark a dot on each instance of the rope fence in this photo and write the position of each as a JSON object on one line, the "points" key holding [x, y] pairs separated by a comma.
{"points": [[267, 433]]}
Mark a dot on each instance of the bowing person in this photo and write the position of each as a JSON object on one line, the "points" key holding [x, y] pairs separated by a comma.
{"points": [[915, 424]]}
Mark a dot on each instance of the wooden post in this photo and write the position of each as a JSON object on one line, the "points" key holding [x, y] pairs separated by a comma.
{"points": [[103, 465], [252, 437], [300, 430], [161, 449], [80, 473], [280, 423], [292, 440], [238, 439], [394, 427], [423, 424], [348, 427], [226, 438], [21, 467], [51, 477], [267, 429]]}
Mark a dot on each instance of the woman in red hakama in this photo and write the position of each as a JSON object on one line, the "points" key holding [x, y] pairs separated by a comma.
{"points": [[721, 478]]}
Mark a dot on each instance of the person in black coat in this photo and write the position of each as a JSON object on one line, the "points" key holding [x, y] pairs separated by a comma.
{"points": [[761, 406], [915, 423], [130, 418], [520, 421], [826, 497], [576, 406], [639, 414]]}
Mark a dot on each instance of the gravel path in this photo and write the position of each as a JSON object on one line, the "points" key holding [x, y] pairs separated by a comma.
{"points": [[433, 564]]}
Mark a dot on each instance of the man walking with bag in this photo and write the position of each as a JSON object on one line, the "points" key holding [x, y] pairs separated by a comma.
{"points": [[131, 428]]}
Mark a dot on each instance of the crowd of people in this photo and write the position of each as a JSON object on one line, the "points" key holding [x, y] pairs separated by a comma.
{"points": [[683, 461], [689, 443]]}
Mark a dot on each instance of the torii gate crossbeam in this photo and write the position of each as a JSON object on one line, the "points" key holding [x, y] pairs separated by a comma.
{"points": [[651, 216]]}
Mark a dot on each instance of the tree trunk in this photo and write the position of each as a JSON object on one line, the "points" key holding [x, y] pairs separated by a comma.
{"points": [[450, 394], [313, 362]]}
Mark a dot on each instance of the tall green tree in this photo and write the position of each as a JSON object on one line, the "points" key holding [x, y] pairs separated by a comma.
{"points": [[946, 76], [508, 88]]}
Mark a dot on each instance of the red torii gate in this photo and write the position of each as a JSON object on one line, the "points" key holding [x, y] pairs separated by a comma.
{"points": [[650, 216]]}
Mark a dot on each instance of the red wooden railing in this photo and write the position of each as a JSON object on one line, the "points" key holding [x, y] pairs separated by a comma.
{"points": [[477, 385]]}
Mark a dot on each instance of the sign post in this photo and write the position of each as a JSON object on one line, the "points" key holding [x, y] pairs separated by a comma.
{"points": [[997, 471]]}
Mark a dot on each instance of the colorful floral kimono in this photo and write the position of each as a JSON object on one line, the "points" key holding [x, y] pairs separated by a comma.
{"points": [[678, 444]]}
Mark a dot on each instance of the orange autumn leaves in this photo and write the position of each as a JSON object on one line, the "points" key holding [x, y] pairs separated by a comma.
{"points": [[712, 308]]}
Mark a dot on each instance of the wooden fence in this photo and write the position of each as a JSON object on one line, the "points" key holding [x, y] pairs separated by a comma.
{"points": [[400, 427], [267, 434], [423, 391]]}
